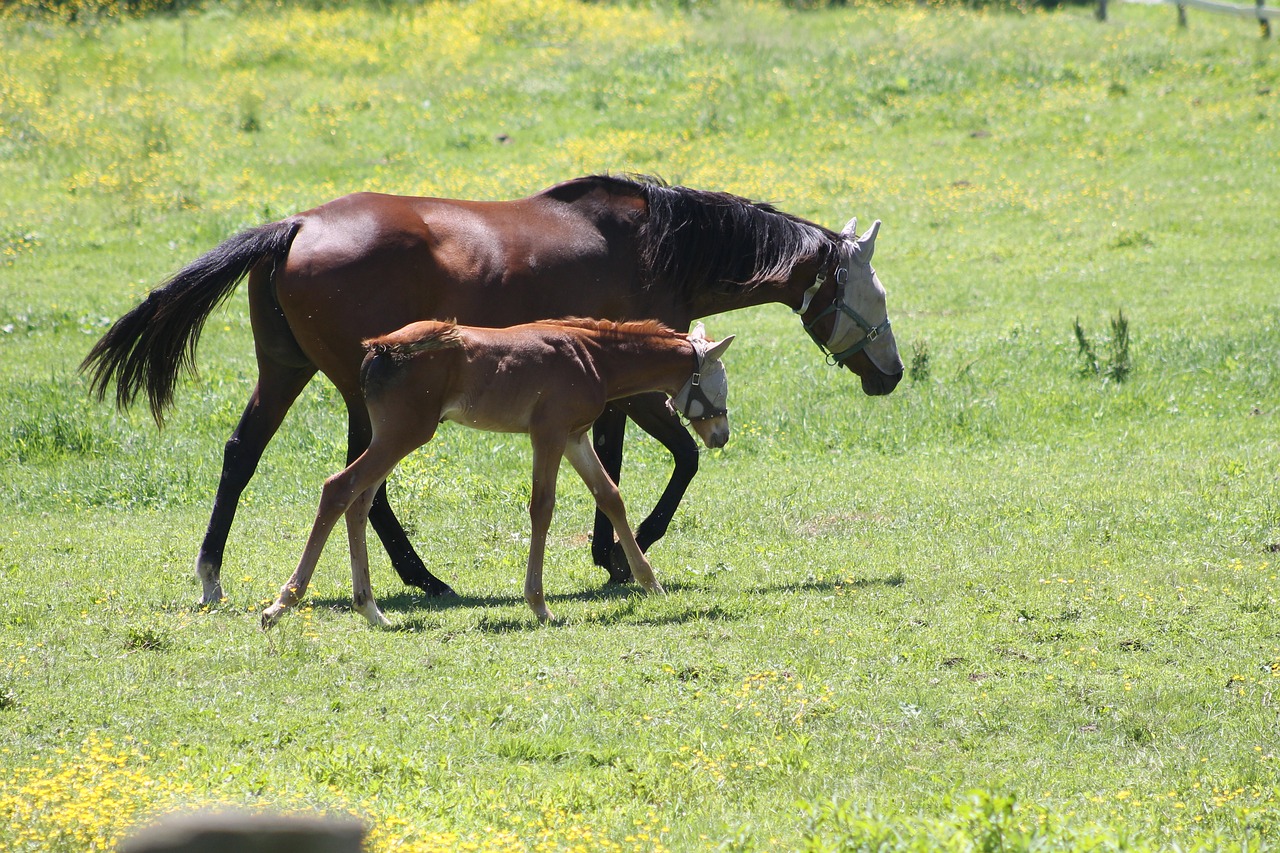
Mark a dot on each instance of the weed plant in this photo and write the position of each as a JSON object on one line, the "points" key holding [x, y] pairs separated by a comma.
{"points": [[1002, 608], [1118, 363]]}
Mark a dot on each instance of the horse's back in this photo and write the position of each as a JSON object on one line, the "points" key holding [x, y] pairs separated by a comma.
{"points": [[366, 264]]}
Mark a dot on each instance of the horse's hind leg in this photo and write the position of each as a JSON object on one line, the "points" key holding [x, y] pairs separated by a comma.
{"points": [[278, 386], [404, 559], [605, 491]]}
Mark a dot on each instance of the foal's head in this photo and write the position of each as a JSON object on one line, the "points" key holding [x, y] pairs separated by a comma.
{"points": [[704, 399]]}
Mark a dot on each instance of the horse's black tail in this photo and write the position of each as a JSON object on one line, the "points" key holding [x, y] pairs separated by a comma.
{"points": [[147, 348]]}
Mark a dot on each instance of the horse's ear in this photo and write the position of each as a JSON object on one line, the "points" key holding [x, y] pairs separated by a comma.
{"points": [[866, 244], [717, 349], [699, 332], [850, 229]]}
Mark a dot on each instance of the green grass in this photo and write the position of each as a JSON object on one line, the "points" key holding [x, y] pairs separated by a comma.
{"points": [[1014, 604]]}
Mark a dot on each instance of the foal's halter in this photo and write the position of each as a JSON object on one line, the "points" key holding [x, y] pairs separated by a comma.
{"points": [[839, 306], [692, 400]]}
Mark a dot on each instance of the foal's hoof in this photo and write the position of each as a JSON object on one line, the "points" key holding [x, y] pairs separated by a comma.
{"points": [[369, 610]]}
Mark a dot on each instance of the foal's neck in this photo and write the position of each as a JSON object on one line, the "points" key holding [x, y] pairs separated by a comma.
{"points": [[636, 363]]}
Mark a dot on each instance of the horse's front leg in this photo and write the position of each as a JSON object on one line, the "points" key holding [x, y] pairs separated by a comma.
{"points": [[547, 450], [609, 433]]}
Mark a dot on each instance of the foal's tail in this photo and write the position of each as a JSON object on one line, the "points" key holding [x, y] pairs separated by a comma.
{"points": [[384, 355], [147, 348]]}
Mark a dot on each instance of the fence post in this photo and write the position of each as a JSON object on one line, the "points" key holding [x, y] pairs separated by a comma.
{"points": [[1182, 16], [1101, 12], [1264, 23]]}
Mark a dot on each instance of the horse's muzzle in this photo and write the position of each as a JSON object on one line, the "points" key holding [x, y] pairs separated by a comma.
{"points": [[878, 384]]}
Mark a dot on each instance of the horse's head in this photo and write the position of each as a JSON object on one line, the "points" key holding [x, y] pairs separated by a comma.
{"points": [[704, 399], [855, 325]]}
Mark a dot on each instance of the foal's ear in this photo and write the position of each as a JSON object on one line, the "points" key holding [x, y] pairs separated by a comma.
{"points": [[718, 348], [699, 332]]}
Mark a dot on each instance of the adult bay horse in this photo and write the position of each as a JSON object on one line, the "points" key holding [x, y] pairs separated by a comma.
{"points": [[323, 281], [551, 380]]}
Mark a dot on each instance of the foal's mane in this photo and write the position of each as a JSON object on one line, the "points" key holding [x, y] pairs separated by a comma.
{"points": [[612, 328], [693, 239]]}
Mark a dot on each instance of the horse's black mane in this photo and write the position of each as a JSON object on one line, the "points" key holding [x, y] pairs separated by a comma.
{"points": [[694, 238]]}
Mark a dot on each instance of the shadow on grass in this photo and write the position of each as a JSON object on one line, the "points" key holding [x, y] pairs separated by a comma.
{"points": [[623, 599], [831, 585]]}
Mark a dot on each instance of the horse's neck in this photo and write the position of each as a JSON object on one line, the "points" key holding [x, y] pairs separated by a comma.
{"points": [[709, 301]]}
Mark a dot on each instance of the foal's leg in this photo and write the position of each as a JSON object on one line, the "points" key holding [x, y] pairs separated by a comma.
{"points": [[584, 460], [547, 450], [340, 491], [361, 587], [278, 386], [404, 559], [651, 414]]}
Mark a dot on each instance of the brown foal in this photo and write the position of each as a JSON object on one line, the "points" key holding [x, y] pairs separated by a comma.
{"points": [[550, 379]]}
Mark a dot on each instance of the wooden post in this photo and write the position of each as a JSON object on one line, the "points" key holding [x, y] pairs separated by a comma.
{"points": [[1264, 23], [1182, 16], [1101, 12]]}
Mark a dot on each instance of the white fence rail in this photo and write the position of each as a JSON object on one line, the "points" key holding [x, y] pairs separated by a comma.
{"points": [[1259, 11]]}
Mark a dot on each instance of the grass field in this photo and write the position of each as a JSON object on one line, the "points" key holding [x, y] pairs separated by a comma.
{"points": [[1016, 605]]}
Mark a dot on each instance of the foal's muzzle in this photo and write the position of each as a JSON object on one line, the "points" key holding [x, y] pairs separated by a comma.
{"points": [[714, 432]]}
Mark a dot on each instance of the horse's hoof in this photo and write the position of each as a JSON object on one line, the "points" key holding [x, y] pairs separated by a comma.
{"points": [[619, 569], [212, 596], [442, 590]]}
